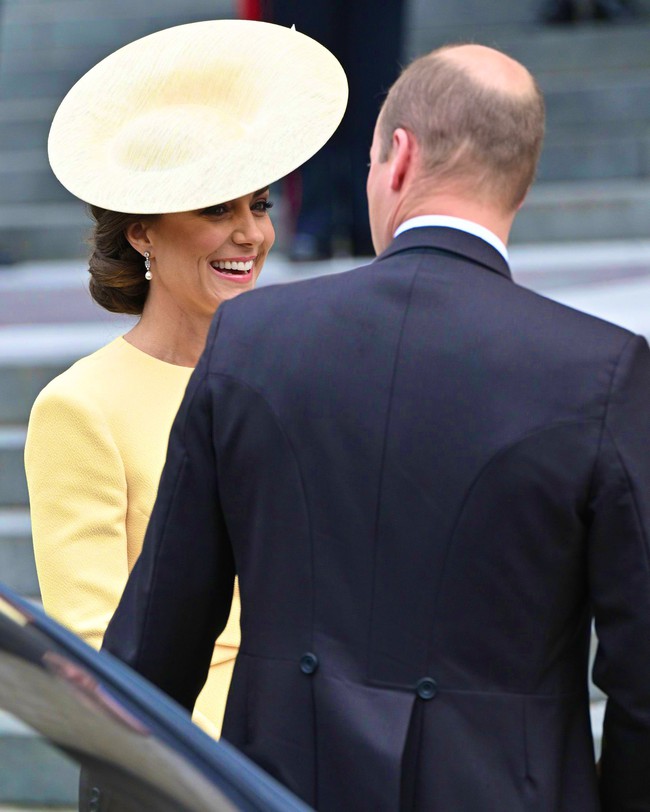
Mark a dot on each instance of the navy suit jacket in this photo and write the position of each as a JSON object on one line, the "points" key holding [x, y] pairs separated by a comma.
{"points": [[429, 480]]}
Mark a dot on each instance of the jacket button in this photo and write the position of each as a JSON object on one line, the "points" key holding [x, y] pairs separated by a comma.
{"points": [[94, 799], [426, 688], [308, 663]]}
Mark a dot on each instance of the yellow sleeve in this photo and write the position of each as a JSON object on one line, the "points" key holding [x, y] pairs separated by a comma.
{"points": [[78, 494]]}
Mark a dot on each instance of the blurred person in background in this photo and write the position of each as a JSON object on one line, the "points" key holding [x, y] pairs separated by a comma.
{"points": [[179, 127], [571, 11], [329, 194]]}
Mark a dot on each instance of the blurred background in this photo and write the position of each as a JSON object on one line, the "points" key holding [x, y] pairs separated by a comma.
{"points": [[582, 236], [593, 179]]}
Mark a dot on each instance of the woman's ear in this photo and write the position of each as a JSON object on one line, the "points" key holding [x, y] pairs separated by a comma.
{"points": [[137, 235]]}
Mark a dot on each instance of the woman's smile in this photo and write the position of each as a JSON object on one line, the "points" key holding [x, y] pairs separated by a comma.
{"points": [[237, 269]]}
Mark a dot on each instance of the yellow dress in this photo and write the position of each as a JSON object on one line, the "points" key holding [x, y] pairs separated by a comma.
{"points": [[96, 445]]}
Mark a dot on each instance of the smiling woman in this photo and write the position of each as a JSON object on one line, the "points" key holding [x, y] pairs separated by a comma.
{"points": [[196, 260], [181, 214]]}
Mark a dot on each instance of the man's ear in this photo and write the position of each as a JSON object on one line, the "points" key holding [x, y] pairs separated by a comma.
{"points": [[401, 156], [523, 200], [138, 236]]}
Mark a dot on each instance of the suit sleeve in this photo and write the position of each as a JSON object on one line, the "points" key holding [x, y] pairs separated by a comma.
{"points": [[77, 493], [178, 597], [619, 571]]}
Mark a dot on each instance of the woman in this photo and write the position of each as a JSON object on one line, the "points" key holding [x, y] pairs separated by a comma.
{"points": [[133, 135]]}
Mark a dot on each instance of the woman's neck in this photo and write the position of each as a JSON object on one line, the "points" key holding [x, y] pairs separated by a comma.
{"points": [[177, 338]]}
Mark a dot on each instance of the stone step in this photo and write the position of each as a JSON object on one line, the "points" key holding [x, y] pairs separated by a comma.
{"points": [[17, 567], [26, 177], [33, 231], [47, 47], [579, 50], [15, 215], [581, 211], [592, 100], [102, 27], [50, 11], [55, 58], [471, 15], [545, 50], [25, 123], [22, 84], [38, 808], [596, 152], [13, 486], [515, 27], [32, 354], [20, 382]]}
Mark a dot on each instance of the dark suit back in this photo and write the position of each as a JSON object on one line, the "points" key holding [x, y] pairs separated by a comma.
{"points": [[429, 477]]}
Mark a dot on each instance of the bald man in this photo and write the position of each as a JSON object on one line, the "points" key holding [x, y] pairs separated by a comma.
{"points": [[429, 481]]}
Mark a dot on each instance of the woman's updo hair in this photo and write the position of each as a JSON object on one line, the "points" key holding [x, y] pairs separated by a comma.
{"points": [[116, 269]]}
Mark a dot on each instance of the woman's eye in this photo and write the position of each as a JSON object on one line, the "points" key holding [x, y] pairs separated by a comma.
{"points": [[262, 205], [215, 211]]}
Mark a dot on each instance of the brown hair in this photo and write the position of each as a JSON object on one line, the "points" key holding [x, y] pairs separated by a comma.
{"points": [[116, 269], [467, 129]]}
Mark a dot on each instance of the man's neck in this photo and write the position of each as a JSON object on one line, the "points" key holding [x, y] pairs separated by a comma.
{"points": [[448, 206], [459, 223]]}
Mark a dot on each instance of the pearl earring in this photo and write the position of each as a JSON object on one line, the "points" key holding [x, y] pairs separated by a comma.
{"points": [[147, 266]]}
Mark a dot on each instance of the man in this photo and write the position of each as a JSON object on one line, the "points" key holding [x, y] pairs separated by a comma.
{"points": [[427, 479]]}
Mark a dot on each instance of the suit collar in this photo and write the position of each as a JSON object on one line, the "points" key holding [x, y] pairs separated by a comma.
{"points": [[451, 241]]}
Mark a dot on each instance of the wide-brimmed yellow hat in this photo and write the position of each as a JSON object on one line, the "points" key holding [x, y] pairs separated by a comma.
{"points": [[196, 115]]}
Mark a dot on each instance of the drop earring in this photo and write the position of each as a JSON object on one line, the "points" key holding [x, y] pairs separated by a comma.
{"points": [[147, 266]]}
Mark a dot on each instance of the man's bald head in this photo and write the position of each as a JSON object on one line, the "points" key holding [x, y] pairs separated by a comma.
{"points": [[478, 117], [490, 68]]}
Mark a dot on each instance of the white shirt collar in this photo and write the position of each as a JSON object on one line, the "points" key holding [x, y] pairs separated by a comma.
{"points": [[459, 224]]}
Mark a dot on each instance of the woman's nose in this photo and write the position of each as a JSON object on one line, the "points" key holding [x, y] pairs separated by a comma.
{"points": [[247, 230]]}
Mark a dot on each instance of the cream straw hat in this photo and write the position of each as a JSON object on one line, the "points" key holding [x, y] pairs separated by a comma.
{"points": [[196, 115]]}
